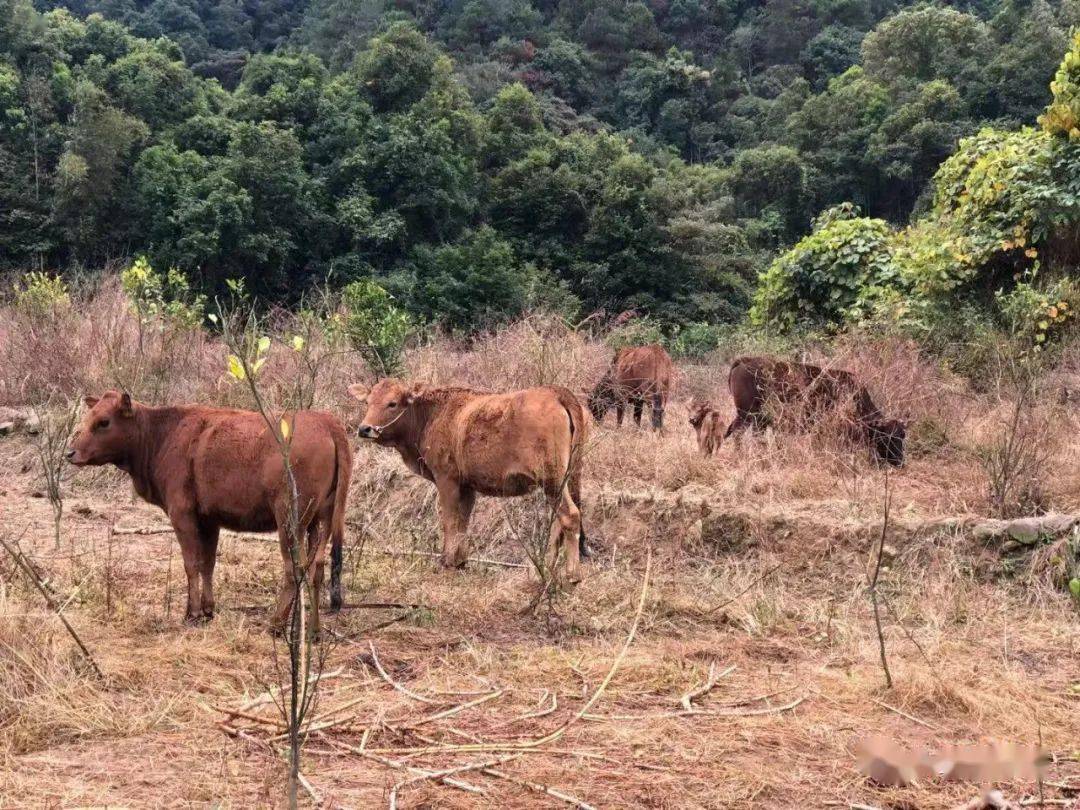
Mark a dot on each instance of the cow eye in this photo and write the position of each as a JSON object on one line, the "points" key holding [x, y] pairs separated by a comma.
{"points": [[102, 424], [392, 405]]}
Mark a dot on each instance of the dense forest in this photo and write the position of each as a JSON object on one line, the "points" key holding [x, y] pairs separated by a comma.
{"points": [[809, 162]]}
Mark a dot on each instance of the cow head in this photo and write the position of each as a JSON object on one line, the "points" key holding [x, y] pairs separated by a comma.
{"points": [[887, 438], [107, 432], [388, 404], [699, 409], [603, 396]]}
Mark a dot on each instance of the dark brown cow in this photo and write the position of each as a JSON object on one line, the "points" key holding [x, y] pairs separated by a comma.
{"points": [[705, 420], [213, 468], [758, 382], [470, 442], [636, 374]]}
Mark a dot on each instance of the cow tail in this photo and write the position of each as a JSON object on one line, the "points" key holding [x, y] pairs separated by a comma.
{"points": [[579, 434], [342, 477]]}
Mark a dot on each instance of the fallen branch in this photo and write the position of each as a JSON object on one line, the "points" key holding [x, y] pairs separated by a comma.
{"points": [[710, 682], [146, 530], [269, 695], [437, 775], [409, 553], [386, 677], [697, 713], [558, 732], [455, 709], [403, 766], [31, 574], [534, 714], [910, 717], [539, 788], [743, 592]]}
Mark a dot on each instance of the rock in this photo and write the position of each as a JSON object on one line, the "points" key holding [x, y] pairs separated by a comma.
{"points": [[989, 529], [1026, 530], [32, 425], [6, 428]]}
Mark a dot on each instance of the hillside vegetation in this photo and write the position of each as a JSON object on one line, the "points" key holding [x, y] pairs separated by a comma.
{"points": [[484, 157]]}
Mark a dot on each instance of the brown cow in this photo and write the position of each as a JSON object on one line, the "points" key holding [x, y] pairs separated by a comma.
{"points": [[636, 374], [758, 382], [705, 420], [471, 442], [213, 468]]}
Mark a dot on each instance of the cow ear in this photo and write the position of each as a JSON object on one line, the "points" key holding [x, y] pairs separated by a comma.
{"points": [[90, 402], [415, 393], [359, 392], [125, 405]]}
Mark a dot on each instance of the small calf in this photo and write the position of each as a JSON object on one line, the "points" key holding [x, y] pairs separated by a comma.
{"points": [[705, 420]]}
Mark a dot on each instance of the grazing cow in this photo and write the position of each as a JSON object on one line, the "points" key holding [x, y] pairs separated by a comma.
{"points": [[705, 420], [758, 382], [212, 468], [636, 374], [469, 442]]}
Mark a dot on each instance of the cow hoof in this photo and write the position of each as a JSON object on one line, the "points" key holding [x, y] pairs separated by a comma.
{"points": [[451, 563], [191, 620]]}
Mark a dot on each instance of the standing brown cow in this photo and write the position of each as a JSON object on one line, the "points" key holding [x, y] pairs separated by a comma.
{"points": [[470, 442], [213, 468], [705, 420], [758, 382], [636, 374]]}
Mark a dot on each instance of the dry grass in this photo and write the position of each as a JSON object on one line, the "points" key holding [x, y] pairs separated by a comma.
{"points": [[777, 534]]}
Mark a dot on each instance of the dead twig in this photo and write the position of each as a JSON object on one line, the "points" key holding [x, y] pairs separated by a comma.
{"points": [[399, 687], [558, 732], [411, 553], [403, 766], [534, 714], [698, 713], [437, 775], [743, 592], [539, 788], [710, 682], [31, 574], [910, 717]]}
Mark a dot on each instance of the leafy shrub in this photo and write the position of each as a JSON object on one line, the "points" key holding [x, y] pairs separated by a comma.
{"points": [[168, 296], [374, 325], [1062, 116], [695, 340], [1040, 317], [821, 280], [41, 295], [635, 332]]}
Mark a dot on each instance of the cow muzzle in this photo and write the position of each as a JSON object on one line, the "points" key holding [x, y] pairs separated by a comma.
{"points": [[369, 431]]}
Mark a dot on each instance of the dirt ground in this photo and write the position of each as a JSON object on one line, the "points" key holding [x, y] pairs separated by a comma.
{"points": [[757, 582]]}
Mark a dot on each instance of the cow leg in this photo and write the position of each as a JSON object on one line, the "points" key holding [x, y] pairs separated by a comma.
{"points": [[657, 411], [455, 509], [620, 410], [187, 534], [317, 541], [565, 534], [336, 600], [287, 589], [208, 545], [639, 406], [575, 493]]}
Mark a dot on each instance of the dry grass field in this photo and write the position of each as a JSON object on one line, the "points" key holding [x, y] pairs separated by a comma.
{"points": [[745, 573]]}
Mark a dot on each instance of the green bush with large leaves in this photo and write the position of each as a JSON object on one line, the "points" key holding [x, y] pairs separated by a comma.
{"points": [[821, 280]]}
